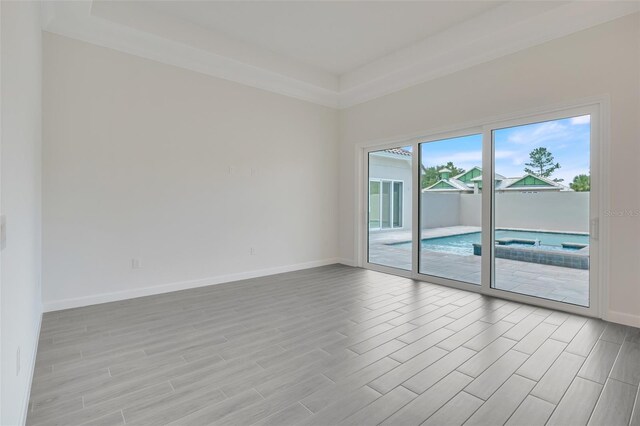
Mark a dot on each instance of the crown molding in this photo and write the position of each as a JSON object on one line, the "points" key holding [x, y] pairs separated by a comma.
{"points": [[127, 28], [473, 42], [186, 48]]}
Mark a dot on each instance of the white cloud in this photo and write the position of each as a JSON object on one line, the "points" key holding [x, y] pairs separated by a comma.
{"points": [[516, 158], [457, 158], [583, 119], [468, 159], [538, 134], [499, 154], [520, 160]]}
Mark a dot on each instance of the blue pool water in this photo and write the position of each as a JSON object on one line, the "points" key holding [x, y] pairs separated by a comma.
{"points": [[463, 243]]}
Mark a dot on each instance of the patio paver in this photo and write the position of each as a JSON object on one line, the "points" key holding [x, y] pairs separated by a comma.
{"points": [[546, 281]]}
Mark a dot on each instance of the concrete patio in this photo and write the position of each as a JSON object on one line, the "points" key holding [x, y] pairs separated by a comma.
{"points": [[550, 282]]}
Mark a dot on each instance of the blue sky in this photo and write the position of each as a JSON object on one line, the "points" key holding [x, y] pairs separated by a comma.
{"points": [[566, 139]]}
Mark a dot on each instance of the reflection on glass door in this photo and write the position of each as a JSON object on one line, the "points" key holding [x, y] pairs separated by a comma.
{"points": [[541, 209], [389, 207], [374, 204], [451, 208]]}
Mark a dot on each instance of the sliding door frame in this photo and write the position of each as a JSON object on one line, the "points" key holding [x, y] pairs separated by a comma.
{"points": [[362, 244], [599, 110], [392, 203], [596, 210]]}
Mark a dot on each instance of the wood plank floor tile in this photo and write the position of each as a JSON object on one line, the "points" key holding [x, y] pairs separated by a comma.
{"points": [[532, 412], [331, 345], [439, 369], [290, 416], [493, 377], [558, 377], [423, 406], [576, 406], [487, 356], [627, 366], [456, 411], [502, 404], [598, 365], [381, 408], [615, 404], [538, 363]]}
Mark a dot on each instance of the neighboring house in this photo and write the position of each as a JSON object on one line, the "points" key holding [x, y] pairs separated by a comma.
{"points": [[390, 189], [471, 182]]}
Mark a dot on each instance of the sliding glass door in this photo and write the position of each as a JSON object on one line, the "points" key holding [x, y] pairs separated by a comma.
{"points": [[541, 193], [451, 208], [508, 209], [389, 181], [386, 198]]}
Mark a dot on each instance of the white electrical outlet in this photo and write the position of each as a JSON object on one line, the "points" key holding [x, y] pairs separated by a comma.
{"points": [[136, 263], [252, 251], [18, 361]]}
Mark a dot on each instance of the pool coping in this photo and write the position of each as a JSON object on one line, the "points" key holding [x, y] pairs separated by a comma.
{"points": [[575, 260], [583, 234]]}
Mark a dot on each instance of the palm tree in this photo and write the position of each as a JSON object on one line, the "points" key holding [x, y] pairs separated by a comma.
{"points": [[581, 183]]}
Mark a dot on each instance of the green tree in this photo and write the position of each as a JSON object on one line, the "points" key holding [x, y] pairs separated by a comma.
{"points": [[541, 163], [581, 183], [430, 175]]}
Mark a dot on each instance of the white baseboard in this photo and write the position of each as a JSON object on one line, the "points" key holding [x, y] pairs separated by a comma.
{"points": [[32, 368], [623, 318], [348, 262], [57, 305]]}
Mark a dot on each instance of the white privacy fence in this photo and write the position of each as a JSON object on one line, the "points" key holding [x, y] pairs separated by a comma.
{"points": [[566, 211]]}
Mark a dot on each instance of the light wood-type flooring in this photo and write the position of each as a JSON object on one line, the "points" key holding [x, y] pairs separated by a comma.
{"points": [[327, 346]]}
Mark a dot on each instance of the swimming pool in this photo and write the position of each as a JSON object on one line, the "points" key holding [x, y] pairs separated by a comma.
{"points": [[462, 244]]}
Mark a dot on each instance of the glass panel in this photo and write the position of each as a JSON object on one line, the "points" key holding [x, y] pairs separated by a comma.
{"points": [[386, 204], [389, 239], [541, 209], [397, 204], [451, 208], [374, 204]]}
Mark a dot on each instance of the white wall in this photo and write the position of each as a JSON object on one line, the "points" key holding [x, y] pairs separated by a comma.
{"points": [[601, 60], [20, 193], [551, 211], [136, 159], [471, 209], [440, 209]]}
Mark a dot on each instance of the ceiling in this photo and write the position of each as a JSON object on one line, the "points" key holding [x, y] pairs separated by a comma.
{"points": [[332, 53], [334, 36]]}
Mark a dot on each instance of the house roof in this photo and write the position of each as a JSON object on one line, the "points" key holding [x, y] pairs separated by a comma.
{"points": [[398, 151], [451, 184], [470, 171], [530, 181], [479, 178], [526, 182]]}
